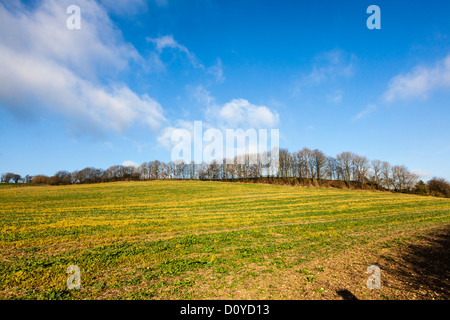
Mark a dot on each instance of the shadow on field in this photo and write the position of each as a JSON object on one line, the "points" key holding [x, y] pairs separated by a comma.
{"points": [[425, 265], [346, 295]]}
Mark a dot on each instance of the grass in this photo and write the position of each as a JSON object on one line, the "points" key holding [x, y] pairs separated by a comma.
{"points": [[14, 185], [187, 239]]}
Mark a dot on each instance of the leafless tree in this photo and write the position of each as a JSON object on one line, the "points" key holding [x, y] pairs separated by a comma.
{"points": [[376, 167], [332, 168], [300, 159], [40, 179], [403, 180], [319, 162], [7, 177], [386, 175], [16, 177], [284, 163], [361, 168], [346, 165]]}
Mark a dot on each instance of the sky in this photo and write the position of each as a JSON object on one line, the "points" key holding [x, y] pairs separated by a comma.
{"points": [[113, 91]]}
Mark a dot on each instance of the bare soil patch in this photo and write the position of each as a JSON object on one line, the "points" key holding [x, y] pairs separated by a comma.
{"points": [[413, 267]]}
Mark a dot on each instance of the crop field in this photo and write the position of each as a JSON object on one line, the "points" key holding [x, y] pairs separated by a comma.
{"points": [[208, 240]]}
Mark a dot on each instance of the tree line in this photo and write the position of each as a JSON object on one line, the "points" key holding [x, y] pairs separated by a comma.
{"points": [[304, 167]]}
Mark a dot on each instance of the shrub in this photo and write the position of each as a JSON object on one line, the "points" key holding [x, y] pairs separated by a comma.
{"points": [[40, 179], [315, 183], [439, 187], [338, 184], [421, 188]]}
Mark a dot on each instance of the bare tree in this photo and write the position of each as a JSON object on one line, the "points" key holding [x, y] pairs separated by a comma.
{"points": [[143, 171], [40, 179], [110, 174], [213, 171], [7, 177], [155, 169], [318, 162], [60, 177], [192, 170], [332, 168], [361, 168], [285, 163], [165, 171], [386, 175], [345, 162], [377, 167], [16, 177], [301, 165], [306, 163], [89, 175], [403, 180], [410, 181]]}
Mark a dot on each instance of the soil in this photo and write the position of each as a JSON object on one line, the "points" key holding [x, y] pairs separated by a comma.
{"points": [[413, 267]]}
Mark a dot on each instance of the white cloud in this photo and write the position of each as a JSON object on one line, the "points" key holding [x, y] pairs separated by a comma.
{"points": [[421, 173], [335, 97], [97, 48], [180, 51], [420, 82], [168, 41], [327, 66], [239, 113], [236, 114], [45, 66], [165, 135], [202, 96], [129, 163], [364, 113], [217, 71]]}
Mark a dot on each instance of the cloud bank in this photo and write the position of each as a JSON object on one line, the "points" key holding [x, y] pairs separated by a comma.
{"points": [[420, 82], [44, 66], [235, 114]]}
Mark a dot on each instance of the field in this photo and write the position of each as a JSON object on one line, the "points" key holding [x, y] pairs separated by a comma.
{"points": [[217, 240]]}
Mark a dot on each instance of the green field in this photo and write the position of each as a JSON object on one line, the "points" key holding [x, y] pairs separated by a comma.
{"points": [[191, 239]]}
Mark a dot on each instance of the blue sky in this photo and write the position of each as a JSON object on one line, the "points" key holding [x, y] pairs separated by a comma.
{"points": [[114, 90]]}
